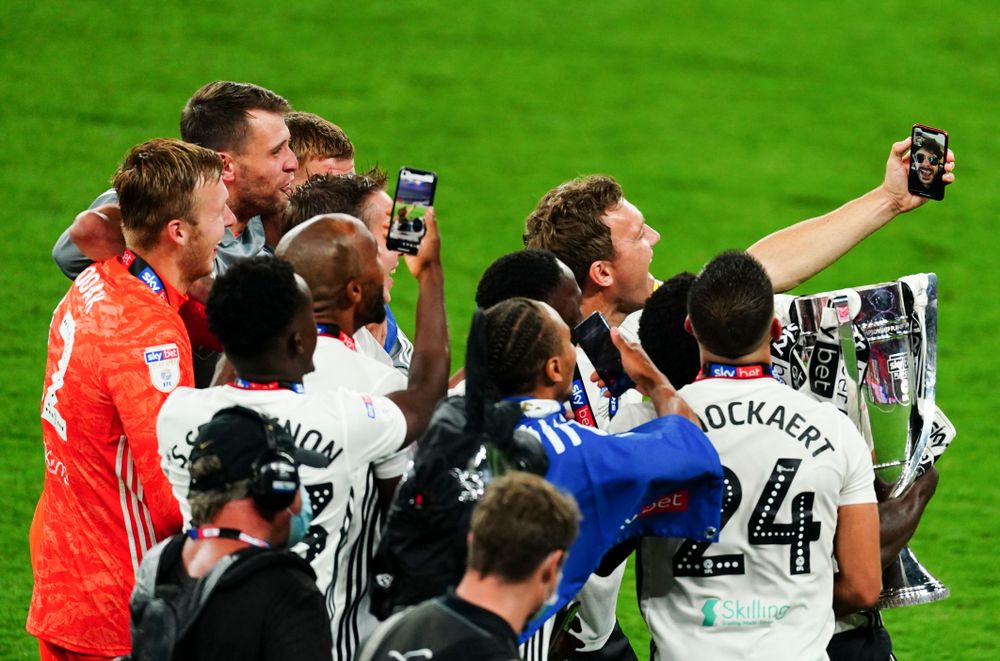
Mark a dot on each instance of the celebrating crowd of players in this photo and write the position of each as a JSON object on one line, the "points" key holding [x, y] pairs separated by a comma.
{"points": [[244, 269]]}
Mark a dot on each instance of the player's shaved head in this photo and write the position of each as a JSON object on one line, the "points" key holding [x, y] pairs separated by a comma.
{"points": [[329, 252]]}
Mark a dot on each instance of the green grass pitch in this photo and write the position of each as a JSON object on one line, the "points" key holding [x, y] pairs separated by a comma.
{"points": [[723, 120]]}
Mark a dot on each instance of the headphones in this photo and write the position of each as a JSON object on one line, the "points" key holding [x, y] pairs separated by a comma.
{"points": [[275, 476]]}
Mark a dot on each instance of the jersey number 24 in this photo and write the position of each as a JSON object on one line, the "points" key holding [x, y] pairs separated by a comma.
{"points": [[691, 558]]}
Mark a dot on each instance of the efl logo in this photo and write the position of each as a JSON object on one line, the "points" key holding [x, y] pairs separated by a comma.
{"points": [[672, 502], [164, 363]]}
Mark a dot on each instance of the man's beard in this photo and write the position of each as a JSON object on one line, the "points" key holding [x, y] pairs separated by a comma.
{"points": [[373, 304], [194, 263], [255, 202]]}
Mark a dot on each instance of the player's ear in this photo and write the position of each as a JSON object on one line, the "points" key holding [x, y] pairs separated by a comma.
{"points": [[550, 566], [601, 273], [228, 167], [688, 328], [296, 344], [352, 290], [775, 329], [554, 369], [176, 231]]}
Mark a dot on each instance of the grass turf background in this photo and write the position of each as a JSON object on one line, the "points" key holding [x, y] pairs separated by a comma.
{"points": [[723, 121]]}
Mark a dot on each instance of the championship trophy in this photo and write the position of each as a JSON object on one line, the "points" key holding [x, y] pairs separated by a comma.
{"points": [[872, 351]]}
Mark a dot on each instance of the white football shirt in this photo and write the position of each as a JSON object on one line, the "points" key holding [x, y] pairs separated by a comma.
{"points": [[764, 590], [337, 365], [351, 429]]}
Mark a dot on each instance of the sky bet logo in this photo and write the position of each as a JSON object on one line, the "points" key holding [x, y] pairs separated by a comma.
{"points": [[151, 280], [159, 355], [736, 613]]}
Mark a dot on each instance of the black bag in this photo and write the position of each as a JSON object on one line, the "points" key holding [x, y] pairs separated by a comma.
{"points": [[162, 615], [469, 439]]}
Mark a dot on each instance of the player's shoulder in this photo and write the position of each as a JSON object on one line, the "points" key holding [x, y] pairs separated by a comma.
{"points": [[339, 367], [186, 398], [120, 305]]}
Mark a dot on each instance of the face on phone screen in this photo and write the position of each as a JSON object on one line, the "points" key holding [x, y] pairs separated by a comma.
{"points": [[414, 193], [927, 158]]}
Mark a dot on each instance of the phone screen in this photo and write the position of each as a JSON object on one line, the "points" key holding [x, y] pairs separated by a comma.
{"points": [[927, 158], [414, 193], [594, 336]]}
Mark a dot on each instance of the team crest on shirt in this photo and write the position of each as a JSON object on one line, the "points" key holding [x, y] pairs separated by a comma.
{"points": [[164, 363]]}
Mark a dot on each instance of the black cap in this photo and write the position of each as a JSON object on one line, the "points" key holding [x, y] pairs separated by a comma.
{"points": [[239, 436]]}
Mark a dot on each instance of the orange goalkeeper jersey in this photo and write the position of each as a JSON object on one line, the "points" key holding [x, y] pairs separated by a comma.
{"points": [[117, 348]]}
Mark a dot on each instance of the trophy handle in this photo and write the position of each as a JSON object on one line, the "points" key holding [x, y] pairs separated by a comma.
{"points": [[923, 288], [906, 583]]}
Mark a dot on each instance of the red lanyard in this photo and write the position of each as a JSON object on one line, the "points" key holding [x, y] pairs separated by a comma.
{"points": [[138, 267], [243, 384], [336, 333], [724, 371], [227, 533]]}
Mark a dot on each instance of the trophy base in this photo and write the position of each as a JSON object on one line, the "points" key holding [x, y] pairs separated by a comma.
{"points": [[907, 583]]}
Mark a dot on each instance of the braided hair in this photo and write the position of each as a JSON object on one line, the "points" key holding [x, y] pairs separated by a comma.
{"points": [[519, 340]]}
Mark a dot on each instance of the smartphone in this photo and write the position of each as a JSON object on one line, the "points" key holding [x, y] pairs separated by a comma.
{"points": [[414, 193], [594, 336], [928, 150]]}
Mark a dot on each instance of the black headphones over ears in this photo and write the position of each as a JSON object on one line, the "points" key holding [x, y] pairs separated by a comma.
{"points": [[275, 478]]}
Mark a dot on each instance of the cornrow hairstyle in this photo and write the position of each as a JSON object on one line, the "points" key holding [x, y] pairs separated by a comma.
{"points": [[533, 274], [328, 193], [217, 115], [672, 349], [731, 304], [519, 340], [253, 305], [569, 222]]}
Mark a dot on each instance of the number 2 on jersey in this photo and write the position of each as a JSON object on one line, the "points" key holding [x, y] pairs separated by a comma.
{"points": [[691, 559]]}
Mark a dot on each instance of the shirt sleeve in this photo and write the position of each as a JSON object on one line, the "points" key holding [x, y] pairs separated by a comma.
{"points": [[859, 479], [139, 380], [395, 465], [374, 427], [66, 255], [173, 445]]}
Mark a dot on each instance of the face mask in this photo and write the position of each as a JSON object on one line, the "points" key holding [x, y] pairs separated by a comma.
{"points": [[299, 523]]}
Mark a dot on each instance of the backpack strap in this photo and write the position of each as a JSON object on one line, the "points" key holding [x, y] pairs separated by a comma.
{"points": [[149, 570]]}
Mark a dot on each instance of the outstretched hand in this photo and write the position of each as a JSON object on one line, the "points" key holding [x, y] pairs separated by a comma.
{"points": [[897, 173]]}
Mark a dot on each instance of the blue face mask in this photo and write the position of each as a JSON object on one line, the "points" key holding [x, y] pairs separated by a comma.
{"points": [[299, 523]]}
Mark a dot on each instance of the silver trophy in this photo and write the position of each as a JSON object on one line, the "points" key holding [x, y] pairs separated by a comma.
{"points": [[872, 351]]}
